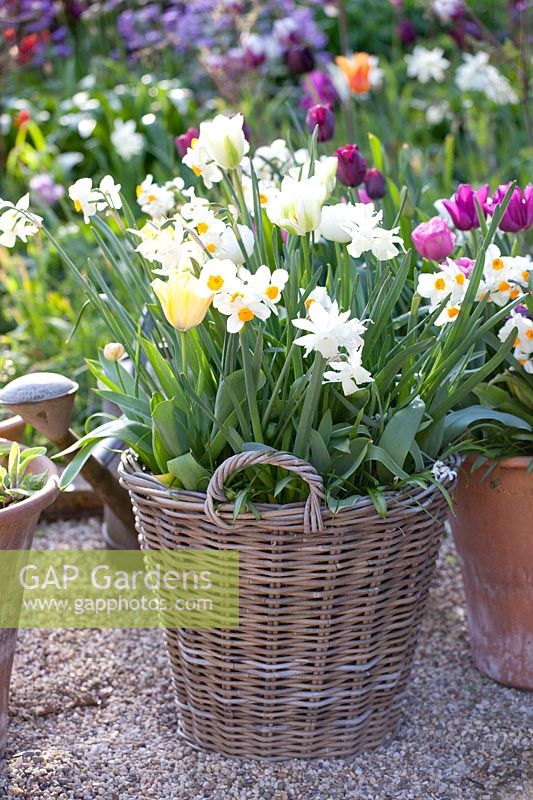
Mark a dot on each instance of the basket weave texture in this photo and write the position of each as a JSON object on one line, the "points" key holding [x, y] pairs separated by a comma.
{"points": [[330, 607]]}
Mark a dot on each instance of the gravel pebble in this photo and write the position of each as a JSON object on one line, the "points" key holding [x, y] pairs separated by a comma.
{"points": [[92, 717]]}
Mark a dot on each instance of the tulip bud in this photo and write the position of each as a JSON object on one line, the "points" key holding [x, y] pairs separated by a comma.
{"points": [[323, 118], [114, 351], [183, 142], [180, 300], [375, 184], [299, 59], [433, 239], [352, 166], [406, 31]]}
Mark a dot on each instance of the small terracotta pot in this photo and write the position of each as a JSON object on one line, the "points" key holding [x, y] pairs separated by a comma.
{"points": [[12, 429], [17, 526], [493, 534]]}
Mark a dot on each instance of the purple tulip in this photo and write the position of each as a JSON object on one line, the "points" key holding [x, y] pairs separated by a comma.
{"points": [[319, 89], [299, 59], [351, 168], [323, 118], [406, 31], [375, 184], [433, 239], [183, 142], [519, 213], [462, 208]]}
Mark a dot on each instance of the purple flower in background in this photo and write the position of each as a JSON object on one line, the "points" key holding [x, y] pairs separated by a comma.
{"points": [[406, 31], [46, 189], [323, 118], [519, 213], [351, 168], [375, 184], [523, 311], [319, 89], [433, 239], [462, 207], [299, 59], [183, 142]]}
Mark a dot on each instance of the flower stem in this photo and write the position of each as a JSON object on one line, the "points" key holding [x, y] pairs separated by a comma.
{"points": [[183, 341], [311, 402], [251, 390]]}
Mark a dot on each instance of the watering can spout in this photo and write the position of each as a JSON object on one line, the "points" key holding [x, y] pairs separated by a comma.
{"points": [[45, 400]]}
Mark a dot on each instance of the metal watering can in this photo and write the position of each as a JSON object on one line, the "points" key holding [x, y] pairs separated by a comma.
{"points": [[45, 400]]}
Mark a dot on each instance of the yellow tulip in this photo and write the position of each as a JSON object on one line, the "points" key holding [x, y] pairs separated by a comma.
{"points": [[180, 300]]}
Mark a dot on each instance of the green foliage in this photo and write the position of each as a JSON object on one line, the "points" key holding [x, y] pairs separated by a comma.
{"points": [[16, 481]]}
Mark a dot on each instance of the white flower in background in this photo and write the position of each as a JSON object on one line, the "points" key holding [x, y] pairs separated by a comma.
{"points": [[437, 112], [318, 295], [297, 206], [87, 200], [326, 172], [350, 373], [425, 65], [240, 306], [271, 160], [165, 244], [154, 200], [366, 235], [217, 275], [445, 9], [266, 285], [223, 138], [449, 282], [126, 140], [191, 208], [16, 222], [333, 222], [476, 75], [230, 246], [198, 159], [208, 228], [110, 192], [329, 331], [266, 190]]}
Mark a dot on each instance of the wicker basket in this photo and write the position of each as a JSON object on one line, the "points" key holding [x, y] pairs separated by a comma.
{"points": [[330, 607]]}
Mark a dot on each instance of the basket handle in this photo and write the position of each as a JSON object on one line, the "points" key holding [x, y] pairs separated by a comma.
{"points": [[215, 491]]}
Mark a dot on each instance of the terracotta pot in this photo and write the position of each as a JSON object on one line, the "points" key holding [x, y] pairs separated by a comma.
{"points": [[17, 526], [12, 429], [493, 536]]}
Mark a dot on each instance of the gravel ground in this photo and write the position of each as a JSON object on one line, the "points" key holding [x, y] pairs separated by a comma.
{"points": [[92, 718]]}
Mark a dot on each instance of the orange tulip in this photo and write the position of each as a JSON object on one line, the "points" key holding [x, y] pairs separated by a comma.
{"points": [[357, 70]]}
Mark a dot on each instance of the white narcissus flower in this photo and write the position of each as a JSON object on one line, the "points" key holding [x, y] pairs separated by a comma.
{"points": [[297, 206], [223, 138], [448, 314], [425, 65], [230, 247], [166, 245], [318, 295], [449, 282], [329, 331], [240, 306], [265, 284], [267, 191], [154, 200], [181, 300], [16, 222], [523, 343], [503, 276], [86, 199], [476, 75], [126, 140], [269, 160], [366, 235], [350, 373], [199, 160], [217, 275], [110, 192]]}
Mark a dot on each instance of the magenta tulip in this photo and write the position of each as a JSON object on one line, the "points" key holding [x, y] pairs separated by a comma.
{"points": [[183, 142], [462, 207], [351, 167], [433, 239]]}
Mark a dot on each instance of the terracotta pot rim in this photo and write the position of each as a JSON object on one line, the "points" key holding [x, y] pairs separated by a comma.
{"points": [[513, 462], [41, 499]]}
